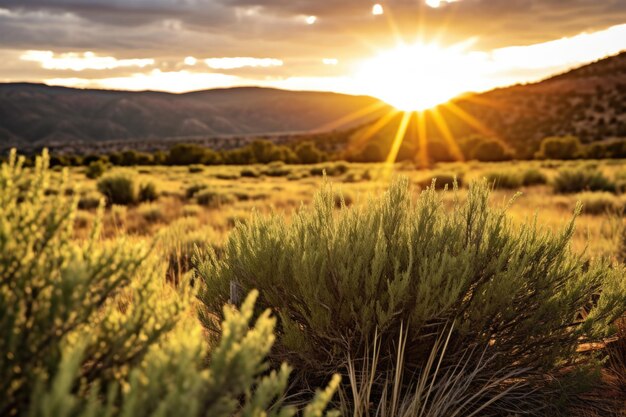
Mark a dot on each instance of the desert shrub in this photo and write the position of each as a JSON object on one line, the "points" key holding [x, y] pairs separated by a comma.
{"points": [[506, 179], [250, 173], [56, 294], [577, 179], [566, 147], [118, 188], [214, 199], [277, 169], [194, 169], [441, 180], [91, 329], [534, 176], [351, 177], [337, 168], [599, 202], [227, 175], [88, 159], [95, 169], [90, 200], [191, 210], [148, 192], [151, 212], [294, 176], [491, 150], [193, 189], [317, 171], [337, 278]]}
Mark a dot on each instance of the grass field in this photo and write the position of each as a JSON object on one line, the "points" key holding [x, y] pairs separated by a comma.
{"points": [[231, 193], [238, 290]]}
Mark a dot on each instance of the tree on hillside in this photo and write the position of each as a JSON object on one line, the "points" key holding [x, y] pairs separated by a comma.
{"points": [[308, 153], [555, 147], [491, 150]]}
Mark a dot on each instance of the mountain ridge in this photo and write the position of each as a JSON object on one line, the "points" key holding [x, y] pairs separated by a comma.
{"points": [[588, 101]]}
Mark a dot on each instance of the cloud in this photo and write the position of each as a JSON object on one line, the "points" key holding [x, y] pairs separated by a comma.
{"points": [[156, 80], [523, 19], [124, 34], [241, 62], [80, 62]]}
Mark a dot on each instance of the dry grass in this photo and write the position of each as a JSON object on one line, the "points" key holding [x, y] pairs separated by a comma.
{"points": [[244, 188]]}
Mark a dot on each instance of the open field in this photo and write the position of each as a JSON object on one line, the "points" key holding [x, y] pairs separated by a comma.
{"points": [[231, 290], [233, 192]]}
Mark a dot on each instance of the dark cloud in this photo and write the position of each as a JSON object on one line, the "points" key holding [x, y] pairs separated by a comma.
{"points": [[169, 30], [541, 18]]}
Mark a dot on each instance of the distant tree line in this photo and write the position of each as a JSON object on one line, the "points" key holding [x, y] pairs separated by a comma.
{"points": [[257, 152], [263, 151]]}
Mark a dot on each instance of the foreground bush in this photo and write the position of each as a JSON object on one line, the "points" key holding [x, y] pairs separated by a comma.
{"points": [[91, 329], [339, 279], [118, 188], [575, 180]]}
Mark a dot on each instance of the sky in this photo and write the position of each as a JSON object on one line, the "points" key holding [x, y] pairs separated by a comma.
{"points": [[352, 46]]}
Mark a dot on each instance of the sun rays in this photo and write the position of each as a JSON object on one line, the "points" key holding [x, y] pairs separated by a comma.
{"points": [[418, 125], [420, 81]]}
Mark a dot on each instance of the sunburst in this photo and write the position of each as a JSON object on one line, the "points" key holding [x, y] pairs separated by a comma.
{"points": [[419, 80]]}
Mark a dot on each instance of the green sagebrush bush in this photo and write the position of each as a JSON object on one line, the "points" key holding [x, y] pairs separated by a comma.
{"points": [[148, 192], [600, 203], [337, 278], [577, 179], [512, 179], [443, 180], [118, 188], [95, 169], [173, 380], [91, 329]]}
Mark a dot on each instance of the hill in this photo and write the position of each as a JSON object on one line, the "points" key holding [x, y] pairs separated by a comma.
{"points": [[34, 115], [588, 102]]}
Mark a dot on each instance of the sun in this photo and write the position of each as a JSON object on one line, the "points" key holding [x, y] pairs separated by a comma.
{"points": [[419, 76]]}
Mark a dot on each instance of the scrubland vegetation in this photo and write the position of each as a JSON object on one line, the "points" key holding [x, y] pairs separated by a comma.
{"points": [[277, 289]]}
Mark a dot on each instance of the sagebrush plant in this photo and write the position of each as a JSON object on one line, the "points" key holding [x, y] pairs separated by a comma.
{"points": [[334, 278], [91, 328], [148, 192], [581, 178], [508, 179], [600, 203], [54, 291], [513, 179], [95, 169], [118, 188]]}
